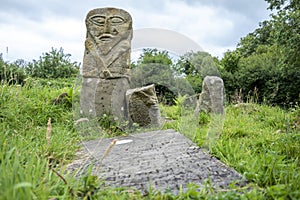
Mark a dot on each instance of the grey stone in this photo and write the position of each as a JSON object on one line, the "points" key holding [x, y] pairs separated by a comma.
{"points": [[87, 96], [163, 160], [143, 106], [110, 98], [106, 62], [211, 99], [104, 96]]}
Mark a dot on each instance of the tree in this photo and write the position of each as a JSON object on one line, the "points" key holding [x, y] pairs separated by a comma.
{"points": [[12, 73], [194, 66], [268, 59], [258, 77], [55, 64], [151, 56], [291, 5], [260, 36], [230, 61], [153, 66], [156, 67]]}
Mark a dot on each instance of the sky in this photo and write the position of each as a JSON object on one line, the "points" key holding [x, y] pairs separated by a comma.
{"points": [[29, 28]]}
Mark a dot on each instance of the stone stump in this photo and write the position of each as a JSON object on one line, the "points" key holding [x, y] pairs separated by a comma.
{"points": [[143, 106], [211, 99]]}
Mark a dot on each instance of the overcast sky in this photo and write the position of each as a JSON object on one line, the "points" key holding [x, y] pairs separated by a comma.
{"points": [[29, 28]]}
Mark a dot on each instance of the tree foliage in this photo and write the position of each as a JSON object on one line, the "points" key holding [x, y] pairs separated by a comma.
{"points": [[153, 66], [156, 67], [155, 56], [53, 64], [194, 66], [268, 60], [284, 4], [12, 73], [184, 76]]}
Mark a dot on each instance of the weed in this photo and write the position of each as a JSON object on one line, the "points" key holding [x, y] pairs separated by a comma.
{"points": [[112, 127]]}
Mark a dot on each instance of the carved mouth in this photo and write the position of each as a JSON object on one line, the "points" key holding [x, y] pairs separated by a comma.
{"points": [[106, 37]]}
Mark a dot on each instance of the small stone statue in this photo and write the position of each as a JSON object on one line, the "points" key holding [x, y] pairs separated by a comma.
{"points": [[106, 62]]}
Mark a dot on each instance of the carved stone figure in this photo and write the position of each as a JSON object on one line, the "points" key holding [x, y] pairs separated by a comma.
{"points": [[211, 99], [106, 62], [143, 106], [107, 44]]}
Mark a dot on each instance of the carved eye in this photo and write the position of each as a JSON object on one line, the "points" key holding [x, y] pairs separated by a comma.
{"points": [[99, 20], [116, 20]]}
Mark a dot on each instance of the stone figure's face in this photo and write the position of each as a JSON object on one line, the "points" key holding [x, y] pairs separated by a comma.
{"points": [[109, 25]]}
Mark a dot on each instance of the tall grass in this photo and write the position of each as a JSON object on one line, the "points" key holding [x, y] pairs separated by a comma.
{"points": [[24, 158], [260, 142], [257, 142]]}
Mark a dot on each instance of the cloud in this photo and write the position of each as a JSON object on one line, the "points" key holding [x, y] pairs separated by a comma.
{"points": [[201, 24], [171, 41], [30, 28], [256, 9], [30, 38]]}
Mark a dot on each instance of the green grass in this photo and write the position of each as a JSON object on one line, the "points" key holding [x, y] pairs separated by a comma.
{"points": [[260, 142]]}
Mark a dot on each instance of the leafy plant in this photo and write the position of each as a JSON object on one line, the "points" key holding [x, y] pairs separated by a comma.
{"points": [[111, 125]]}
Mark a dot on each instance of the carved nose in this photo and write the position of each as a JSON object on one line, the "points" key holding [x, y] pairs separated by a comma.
{"points": [[107, 28]]}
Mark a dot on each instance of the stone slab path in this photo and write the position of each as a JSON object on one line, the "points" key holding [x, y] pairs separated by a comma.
{"points": [[164, 160]]}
